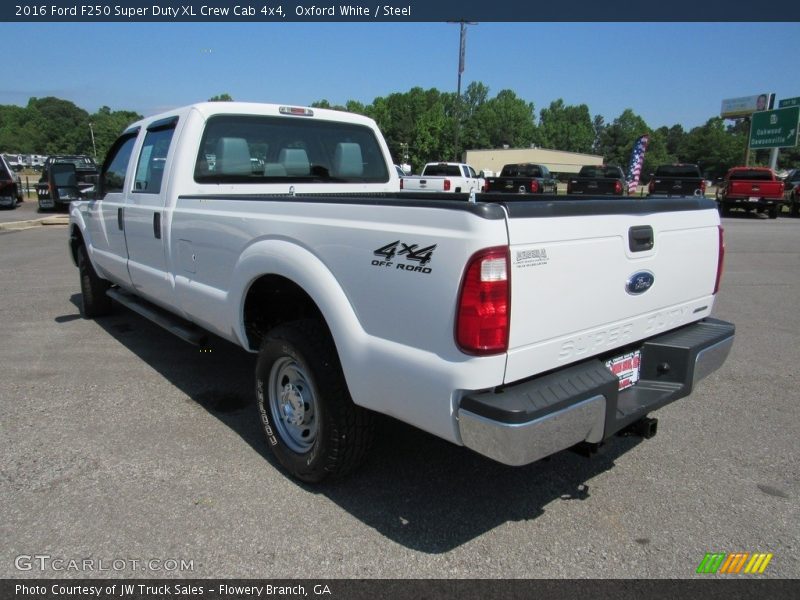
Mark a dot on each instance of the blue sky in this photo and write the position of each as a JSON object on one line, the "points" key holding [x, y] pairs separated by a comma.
{"points": [[666, 72]]}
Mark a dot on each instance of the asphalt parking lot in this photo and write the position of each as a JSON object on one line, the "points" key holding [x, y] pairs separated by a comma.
{"points": [[123, 443]]}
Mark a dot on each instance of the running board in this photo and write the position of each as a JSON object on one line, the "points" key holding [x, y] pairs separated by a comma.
{"points": [[174, 324]]}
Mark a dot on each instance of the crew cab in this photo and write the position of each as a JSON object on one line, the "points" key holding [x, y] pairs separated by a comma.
{"points": [[791, 192], [444, 177], [65, 177], [465, 315], [677, 180], [598, 179], [751, 188], [524, 178]]}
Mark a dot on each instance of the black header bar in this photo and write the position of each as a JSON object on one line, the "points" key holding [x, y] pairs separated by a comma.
{"points": [[278, 11]]}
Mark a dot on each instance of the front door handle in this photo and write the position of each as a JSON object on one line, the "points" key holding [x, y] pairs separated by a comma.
{"points": [[157, 225], [120, 219]]}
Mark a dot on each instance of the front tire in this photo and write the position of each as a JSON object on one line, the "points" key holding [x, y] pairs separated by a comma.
{"points": [[94, 301], [310, 422]]}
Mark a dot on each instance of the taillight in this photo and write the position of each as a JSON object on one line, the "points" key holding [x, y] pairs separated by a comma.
{"points": [[569, 188], [534, 186], [651, 187], [485, 187], [446, 185], [401, 183], [703, 187], [720, 258], [484, 303], [618, 188]]}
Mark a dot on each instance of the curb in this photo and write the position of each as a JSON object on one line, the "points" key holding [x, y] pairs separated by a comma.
{"points": [[22, 225]]}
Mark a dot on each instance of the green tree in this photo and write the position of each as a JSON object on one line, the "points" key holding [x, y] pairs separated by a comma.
{"points": [[221, 98], [506, 120], [567, 128], [616, 142], [713, 147], [108, 125]]}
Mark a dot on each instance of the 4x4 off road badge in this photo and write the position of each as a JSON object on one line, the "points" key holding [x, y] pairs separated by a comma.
{"points": [[405, 257]]}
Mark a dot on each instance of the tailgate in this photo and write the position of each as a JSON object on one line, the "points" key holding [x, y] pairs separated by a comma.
{"points": [[574, 272], [759, 189]]}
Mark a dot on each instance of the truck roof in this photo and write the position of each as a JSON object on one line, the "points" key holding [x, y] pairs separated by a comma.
{"points": [[209, 109]]}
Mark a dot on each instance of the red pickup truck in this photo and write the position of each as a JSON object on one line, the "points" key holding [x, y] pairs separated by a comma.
{"points": [[751, 188]]}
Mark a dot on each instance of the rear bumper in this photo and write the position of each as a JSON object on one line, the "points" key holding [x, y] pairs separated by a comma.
{"points": [[524, 422], [746, 202]]}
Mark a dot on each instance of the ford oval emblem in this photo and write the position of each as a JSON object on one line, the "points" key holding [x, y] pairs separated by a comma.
{"points": [[640, 282]]}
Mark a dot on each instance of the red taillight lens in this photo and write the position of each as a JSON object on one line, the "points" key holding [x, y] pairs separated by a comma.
{"points": [[534, 186], [720, 258], [651, 186], [703, 187], [484, 303], [446, 185], [618, 188], [401, 183], [485, 187]]}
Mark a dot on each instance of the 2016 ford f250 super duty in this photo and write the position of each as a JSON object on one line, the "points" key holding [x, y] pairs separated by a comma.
{"points": [[514, 325]]}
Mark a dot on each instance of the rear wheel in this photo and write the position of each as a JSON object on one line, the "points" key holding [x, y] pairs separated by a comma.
{"points": [[94, 301], [794, 204], [310, 422], [773, 212]]}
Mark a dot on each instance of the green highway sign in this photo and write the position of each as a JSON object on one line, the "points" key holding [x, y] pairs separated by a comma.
{"points": [[774, 128], [787, 102]]}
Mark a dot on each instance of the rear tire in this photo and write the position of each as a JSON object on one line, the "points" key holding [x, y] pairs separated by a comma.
{"points": [[311, 424], [773, 212], [94, 301]]}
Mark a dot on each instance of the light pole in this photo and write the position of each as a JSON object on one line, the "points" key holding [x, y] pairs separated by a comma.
{"points": [[462, 48]]}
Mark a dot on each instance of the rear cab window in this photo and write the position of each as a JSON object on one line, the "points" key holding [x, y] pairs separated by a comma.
{"points": [[265, 149], [752, 175], [678, 171]]}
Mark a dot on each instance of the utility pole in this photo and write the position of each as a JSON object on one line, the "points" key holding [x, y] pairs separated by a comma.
{"points": [[462, 49], [94, 148]]}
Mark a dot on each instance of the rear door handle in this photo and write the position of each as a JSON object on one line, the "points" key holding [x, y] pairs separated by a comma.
{"points": [[120, 218], [157, 225], [640, 238]]}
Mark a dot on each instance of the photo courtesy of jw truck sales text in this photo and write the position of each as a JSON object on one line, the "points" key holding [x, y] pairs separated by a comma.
{"points": [[284, 230]]}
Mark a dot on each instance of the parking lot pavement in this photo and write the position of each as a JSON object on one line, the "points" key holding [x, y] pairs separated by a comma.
{"points": [[121, 443], [27, 215]]}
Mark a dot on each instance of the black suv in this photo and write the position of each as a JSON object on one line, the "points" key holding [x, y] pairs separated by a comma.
{"points": [[64, 178]]}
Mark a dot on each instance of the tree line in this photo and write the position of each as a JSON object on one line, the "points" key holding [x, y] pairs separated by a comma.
{"points": [[429, 125]]}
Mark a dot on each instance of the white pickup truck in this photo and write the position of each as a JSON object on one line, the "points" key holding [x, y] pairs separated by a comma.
{"points": [[512, 325], [444, 177]]}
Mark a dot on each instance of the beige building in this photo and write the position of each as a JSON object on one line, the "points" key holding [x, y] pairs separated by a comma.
{"points": [[555, 160]]}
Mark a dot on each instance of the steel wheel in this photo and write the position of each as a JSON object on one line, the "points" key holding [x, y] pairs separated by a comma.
{"points": [[293, 402]]}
